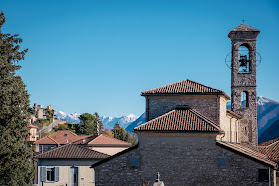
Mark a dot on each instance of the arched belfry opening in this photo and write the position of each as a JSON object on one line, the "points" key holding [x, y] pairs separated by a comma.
{"points": [[244, 59], [244, 99]]}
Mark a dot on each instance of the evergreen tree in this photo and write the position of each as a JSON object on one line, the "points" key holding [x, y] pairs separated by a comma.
{"points": [[88, 124], [15, 156], [120, 133]]}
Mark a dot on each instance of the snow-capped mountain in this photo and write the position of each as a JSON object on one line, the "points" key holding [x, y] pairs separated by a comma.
{"points": [[136, 123], [124, 121], [268, 113], [108, 122], [71, 118]]}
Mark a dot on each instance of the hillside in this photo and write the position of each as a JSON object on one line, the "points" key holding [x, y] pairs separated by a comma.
{"points": [[270, 133]]}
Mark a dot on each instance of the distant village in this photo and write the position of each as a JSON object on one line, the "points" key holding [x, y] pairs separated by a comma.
{"points": [[189, 137]]}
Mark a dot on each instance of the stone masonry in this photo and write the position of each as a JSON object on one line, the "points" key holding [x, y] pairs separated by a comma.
{"points": [[181, 159], [245, 82]]}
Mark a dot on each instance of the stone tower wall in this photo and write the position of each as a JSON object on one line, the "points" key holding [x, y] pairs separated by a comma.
{"points": [[240, 82]]}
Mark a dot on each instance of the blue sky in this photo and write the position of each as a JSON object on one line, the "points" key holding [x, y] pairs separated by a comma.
{"points": [[98, 56]]}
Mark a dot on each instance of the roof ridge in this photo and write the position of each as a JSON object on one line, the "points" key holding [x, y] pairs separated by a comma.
{"points": [[184, 81], [52, 139], [207, 119], [156, 118], [274, 141]]}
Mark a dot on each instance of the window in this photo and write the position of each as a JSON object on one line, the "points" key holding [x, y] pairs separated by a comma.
{"points": [[244, 62], [263, 175], [50, 174], [244, 99]]}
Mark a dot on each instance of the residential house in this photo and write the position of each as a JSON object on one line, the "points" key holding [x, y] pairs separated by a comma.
{"points": [[56, 139], [67, 165], [32, 132]]}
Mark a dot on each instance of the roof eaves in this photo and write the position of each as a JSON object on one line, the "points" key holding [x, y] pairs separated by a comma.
{"points": [[268, 163], [233, 114]]}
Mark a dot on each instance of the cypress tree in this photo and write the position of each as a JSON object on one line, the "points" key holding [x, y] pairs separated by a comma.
{"points": [[15, 156]]}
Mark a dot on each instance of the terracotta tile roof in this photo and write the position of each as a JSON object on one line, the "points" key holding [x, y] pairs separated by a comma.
{"points": [[32, 126], [255, 155], [102, 140], [244, 27], [184, 87], [60, 137], [271, 149], [72, 151], [233, 114], [180, 120]]}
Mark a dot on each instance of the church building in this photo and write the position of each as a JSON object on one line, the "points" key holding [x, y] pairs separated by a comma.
{"points": [[191, 138]]}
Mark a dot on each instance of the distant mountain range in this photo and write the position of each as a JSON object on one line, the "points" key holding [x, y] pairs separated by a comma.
{"points": [[268, 116], [136, 123], [108, 122]]}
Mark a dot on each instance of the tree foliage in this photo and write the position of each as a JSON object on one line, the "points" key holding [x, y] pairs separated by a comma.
{"points": [[15, 156], [121, 134], [88, 124]]}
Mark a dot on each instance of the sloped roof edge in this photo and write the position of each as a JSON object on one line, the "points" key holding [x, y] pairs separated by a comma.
{"points": [[257, 156]]}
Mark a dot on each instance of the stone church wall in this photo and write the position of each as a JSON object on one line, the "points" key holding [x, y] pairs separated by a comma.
{"points": [[208, 105], [181, 159]]}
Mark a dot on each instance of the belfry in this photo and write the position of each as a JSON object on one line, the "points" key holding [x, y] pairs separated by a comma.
{"points": [[243, 82]]}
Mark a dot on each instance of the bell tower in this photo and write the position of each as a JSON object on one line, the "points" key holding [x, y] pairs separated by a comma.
{"points": [[243, 82]]}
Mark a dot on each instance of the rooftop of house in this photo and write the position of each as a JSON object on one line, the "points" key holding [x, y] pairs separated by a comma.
{"points": [[185, 87], [71, 151], [102, 140], [183, 119], [271, 149], [250, 153], [32, 126], [60, 137]]}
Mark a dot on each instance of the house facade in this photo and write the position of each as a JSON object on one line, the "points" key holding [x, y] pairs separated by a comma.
{"points": [[190, 137], [67, 165], [32, 132]]}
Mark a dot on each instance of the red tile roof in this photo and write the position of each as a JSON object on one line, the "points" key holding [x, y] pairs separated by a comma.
{"points": [[247, 152], [60, 137], [103, 140], [184, 87], [271, 149], [32, 126], [180, 120], [72, 151], [233, 114]]}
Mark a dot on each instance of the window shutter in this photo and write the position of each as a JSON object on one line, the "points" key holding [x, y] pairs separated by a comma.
{"points": [[56, 172], [42, 174]]}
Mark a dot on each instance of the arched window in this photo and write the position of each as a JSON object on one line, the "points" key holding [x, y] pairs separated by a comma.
{"points": [[244, 99], [244, 59]]}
